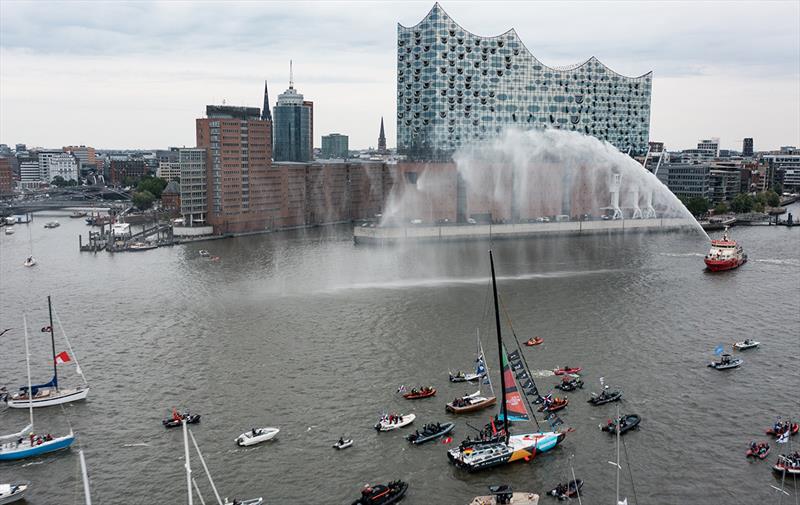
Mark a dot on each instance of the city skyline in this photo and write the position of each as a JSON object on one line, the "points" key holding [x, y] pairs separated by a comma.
{"points": [[708, 81]]}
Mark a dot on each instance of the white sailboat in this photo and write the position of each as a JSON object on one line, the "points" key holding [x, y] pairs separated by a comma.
{"points": [[25, 443], [480, 370], [477, 400], [192, 483], [48, 394]]}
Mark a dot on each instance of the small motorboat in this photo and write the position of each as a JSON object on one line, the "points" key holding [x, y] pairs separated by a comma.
{"points": [[10, 493], [423, 392], [726, 362], [30, 261], [142, 246], [204, 254], [605, 396], [627, 422], [745, 344], [52, 224], [380, 494], [567, 370], [256, 436], [788, 464], [567, 491], [534, 341], [343, 443], [77, 214], [252, 501], [757, 450], [470, 403], [779, 429], [465, 377], [569, 384], [9, 230], [393, 421], [430, 432], [175, 420], [553, 405]]}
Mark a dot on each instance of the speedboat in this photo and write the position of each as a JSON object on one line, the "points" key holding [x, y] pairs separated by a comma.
{"points": [[30, 261], [725, 254], [141, 246], [77, 214], [627, 422], [567, 370], [381, 494], [176, 419], [430, 432], [553, 405], [726, 362], [567, 491], [256, 436], [205, 254], [52, 224], [9, 230], [252, 501], [569, 384], [343, 443], [760, 450], [470, 403], [788, 464], [423, 392], [534, 341], [393, 422], [745, 344], [9, 493], [604, 397]]}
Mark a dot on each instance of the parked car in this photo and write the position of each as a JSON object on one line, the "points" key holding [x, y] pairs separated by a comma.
{"points": [[471, 221], [416, 221]]}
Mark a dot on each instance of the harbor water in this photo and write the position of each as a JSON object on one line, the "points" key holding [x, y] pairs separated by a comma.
{"points": [[306, 332]]}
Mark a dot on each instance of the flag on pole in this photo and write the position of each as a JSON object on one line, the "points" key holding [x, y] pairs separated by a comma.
{"points": [[719, 350], [784, 436], [62, 357]]}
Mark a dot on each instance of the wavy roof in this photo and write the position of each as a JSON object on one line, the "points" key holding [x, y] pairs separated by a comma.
{"points": [[438, 8]]}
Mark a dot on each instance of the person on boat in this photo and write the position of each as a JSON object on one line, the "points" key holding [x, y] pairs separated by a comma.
{"points": [[175, 415], [341, 441], [253, 431]]}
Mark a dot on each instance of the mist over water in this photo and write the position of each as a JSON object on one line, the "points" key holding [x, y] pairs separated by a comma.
{"points": [[521, 175]]}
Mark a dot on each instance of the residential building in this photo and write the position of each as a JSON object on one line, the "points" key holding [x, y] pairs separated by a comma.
{"points": [[194, 195], [6, 177], [709, 146], [293, 127], [29, 173], [455, 87], [127, 171], [382, 139], [44, 157], [747, 147], [791, 179], [63, 165], [169, 170], [724, 185], [335, 145], [239, 158]]}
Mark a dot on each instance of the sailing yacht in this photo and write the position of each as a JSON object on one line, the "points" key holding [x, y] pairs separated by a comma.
{"points": [[508, 448], [25, 443], [48, 394], [477, 400]]}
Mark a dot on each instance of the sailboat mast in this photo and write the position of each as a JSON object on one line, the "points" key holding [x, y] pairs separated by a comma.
{"points": [[499, 348], [85, 474], [28, 365], [188, 465], [52, 341], [618, 467]]}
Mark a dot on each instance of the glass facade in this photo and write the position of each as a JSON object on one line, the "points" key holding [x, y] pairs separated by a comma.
{"points": [[292, 128], [334, 145], [454, 87]]}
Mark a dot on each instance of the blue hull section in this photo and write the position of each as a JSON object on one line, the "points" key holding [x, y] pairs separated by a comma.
{"points": [[547, 443], [28, 452]]}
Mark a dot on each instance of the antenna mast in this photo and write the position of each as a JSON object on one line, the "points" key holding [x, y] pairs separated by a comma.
{"points": [[291, 75]]}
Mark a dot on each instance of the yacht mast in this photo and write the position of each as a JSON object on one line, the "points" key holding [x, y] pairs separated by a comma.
{"points": [[53, 341], [506, 423], [188, 465]]}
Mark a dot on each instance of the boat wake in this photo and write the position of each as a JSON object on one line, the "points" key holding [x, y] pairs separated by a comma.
{"points": [[683, 255], [450, 281], [140, 444], [542, 373], [33, 463], [790, 262]]}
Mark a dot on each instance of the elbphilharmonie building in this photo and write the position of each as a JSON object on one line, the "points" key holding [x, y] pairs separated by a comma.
{"points": [[455, 87]]}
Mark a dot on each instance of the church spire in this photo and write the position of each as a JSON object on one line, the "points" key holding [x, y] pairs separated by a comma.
{"points": [[382, 138], [266, 113]]}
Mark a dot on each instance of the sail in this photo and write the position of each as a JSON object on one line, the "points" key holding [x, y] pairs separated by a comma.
{"points": [[16, 436], [52, 384], [515, 406]]}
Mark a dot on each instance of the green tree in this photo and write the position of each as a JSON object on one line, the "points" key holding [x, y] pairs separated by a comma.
{"points": [[143, 199], [773, 200], [697, 205], [720, 208], [58, 181], [758, 207], [154, 185], [742, 203]]}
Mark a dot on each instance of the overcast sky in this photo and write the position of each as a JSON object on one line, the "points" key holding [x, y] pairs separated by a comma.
{"points": [[136, 75]]}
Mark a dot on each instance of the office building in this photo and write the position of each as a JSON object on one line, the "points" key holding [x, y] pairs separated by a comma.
{"points": [[6, 177], [293, 127], [335, 145], [238, 162], [747, 147], [44, 157], [85, 155], [126, 171], [709, 146], [455, 87], [63, 165], [723, 185], [686, 180], [194, 196]]}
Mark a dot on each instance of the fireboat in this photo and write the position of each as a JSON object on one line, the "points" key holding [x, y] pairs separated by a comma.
{"points": [[725, 254]]}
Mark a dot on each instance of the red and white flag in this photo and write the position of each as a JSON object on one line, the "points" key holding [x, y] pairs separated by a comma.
{"points": [[62, 357]]}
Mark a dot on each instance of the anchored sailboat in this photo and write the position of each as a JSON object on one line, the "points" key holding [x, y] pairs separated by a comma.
{"points": [[478, 455], [480, 367], [25, 443], [48, 394], [477, 400]]}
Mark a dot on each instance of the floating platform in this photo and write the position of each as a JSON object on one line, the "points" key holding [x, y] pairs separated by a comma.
{"points": [[421, 233], [516, 499]]}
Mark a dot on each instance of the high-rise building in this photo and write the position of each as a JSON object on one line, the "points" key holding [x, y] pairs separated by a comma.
{"points": [[293, 126], [747, 147], [194, 195], [382, 139], [455, 87], [238, 162], [335, 145]]}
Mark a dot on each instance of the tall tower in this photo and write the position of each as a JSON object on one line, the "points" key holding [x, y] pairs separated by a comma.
{"points": [[266, 112], [292, 125], [382, 139]]}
